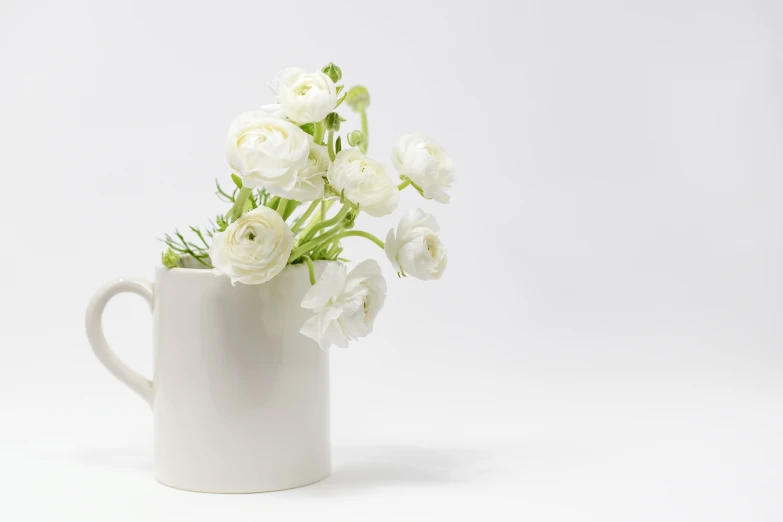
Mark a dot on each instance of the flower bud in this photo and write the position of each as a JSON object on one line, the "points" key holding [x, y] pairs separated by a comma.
{"points": [[170, 259], [350, 218], [333, 121], [356, 138], [358, 98], [333, 72]]}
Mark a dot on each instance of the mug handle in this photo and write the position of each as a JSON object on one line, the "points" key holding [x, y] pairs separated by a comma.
{"points": [[93, 322]]}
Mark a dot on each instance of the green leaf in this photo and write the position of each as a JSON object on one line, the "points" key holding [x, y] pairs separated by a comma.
{"points": [[309, 128], [339, 145], [341, 99], [222, 194], [237, 180], [340, 88]]}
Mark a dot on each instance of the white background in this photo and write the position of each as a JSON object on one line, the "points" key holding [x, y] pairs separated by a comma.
{"points": [[606, 343]]}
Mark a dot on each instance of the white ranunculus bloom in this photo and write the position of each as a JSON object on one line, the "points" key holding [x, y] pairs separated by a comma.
{"points": [[345, 304], [254, 248], [267, 151], [273, 109], [425, 163], [364, 182], [305, 97], [310, 181], [416, 249]]}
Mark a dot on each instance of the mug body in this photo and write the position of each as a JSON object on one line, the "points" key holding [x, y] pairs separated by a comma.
{"points": [[241, 400]]}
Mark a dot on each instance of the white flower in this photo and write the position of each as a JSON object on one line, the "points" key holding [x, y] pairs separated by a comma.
{"points": [[364, 182], [305, 97], [254, 248], [417, 250], [267, 151], [273, 109], [310, 181], [345, 304], [425, 163]]}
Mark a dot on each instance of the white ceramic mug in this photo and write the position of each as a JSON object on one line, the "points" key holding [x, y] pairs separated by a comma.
{"points": [[240, 398]]}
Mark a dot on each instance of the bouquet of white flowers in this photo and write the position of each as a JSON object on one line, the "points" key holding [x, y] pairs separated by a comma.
{"points": [[290, 168]]}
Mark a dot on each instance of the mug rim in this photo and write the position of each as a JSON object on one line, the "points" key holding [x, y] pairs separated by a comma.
{"points": [[209, 271]]}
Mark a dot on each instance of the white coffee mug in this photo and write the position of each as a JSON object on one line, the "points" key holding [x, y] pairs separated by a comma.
{"points": [[240, 398]]}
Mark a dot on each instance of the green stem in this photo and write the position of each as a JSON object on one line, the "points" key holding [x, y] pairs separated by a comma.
{"points": [[359, 233], [236, 210], [309, 245], [281, 206], [418, 188], [310, 269], [403, 184], [330, 144], [333, 250], [329, 222], [316, 218], [200, 236], [222, 194], [292, 206], [301, 221], [322, 249], [363, 146], [318, 132], [333, 235]]}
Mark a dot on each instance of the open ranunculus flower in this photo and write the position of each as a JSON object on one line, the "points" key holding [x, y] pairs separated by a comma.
{"points": [[311, 179], [254, 248], [267, 152], [363, 182], [345, 304], [424, 162], [305, 97], [416, 249], [291, 165]]}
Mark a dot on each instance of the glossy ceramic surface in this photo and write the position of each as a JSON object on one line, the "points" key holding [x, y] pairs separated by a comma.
{"points": [[240, 398]]}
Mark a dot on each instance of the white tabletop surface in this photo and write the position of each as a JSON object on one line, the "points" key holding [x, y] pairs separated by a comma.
{"points": [[542, 444]]}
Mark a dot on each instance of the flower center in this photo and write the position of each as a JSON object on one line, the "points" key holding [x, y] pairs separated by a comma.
{"points": [[430, 244], [303, 89]]}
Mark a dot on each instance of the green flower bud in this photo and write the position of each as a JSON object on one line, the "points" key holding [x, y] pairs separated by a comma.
{"points": [[170, 259], [358, 98], [333, 121], [333, 72], [349, 220], [356, 138]]}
